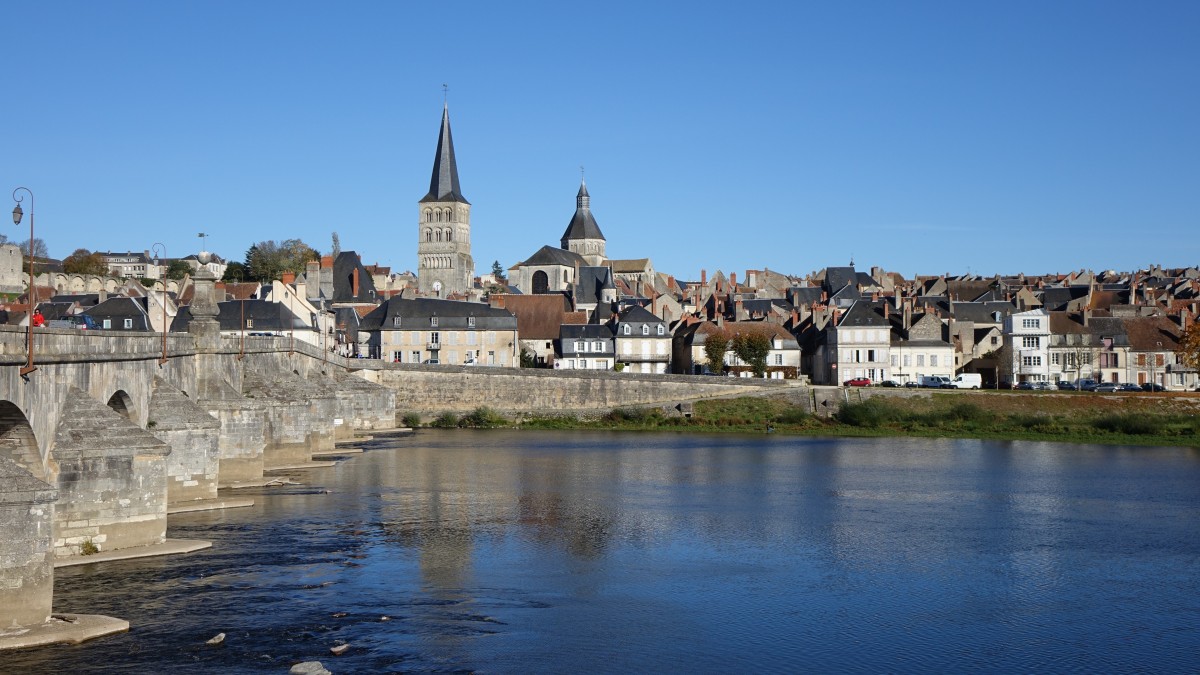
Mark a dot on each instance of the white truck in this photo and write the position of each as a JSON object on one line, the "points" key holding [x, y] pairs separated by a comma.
{"points": [[935, 382], [967, 381]]}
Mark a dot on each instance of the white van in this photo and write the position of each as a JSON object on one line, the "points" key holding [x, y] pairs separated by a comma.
{"points": [[967, 381]]}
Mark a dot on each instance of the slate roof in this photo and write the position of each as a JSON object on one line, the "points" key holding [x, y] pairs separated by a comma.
{"points": [[583, 223], [121, 308], [981, 312], [443, 184], [591, 283], [589, 331], [805, 295], [343, 271], [549, 255], [863, 314], [837, 278], [266, 317], [415, 314], [637, 314], [1056, 299]]}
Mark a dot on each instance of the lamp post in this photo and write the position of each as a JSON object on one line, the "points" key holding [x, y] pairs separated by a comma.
{"points": [[160, 253], [242, 305], [17, 213]]}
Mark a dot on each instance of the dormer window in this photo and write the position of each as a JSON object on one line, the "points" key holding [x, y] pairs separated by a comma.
{"points": [[645, 329], [433, 322], [662, 329], [470, 322], [395, 322], [626, 329]]}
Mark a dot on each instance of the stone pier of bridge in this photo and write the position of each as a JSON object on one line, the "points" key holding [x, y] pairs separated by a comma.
{"points": [[104, 436]]}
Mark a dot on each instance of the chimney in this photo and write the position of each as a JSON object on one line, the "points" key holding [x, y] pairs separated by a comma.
{"points": [[824, 297], [703, 277], [739, 311], [733, 280], [326, 262], [354, 283], [103, 295], [887, 311], [288, 278], [906, 318], [1087, 315]]}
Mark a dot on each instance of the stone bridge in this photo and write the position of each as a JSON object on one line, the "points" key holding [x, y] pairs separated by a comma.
{"points": [[107, 435]]}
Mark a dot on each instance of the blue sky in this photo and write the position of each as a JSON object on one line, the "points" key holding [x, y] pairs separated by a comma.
{"points": [[924, 137]]}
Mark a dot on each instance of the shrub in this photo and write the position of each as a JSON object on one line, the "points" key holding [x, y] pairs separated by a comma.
{"points": [[88, 547], [482, 417], [446, 420], [411, 420], [793, 416], [869, 413], [1131, 423], [637, 415]]}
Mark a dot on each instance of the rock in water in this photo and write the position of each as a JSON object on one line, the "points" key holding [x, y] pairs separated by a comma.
{"points": [[339, 649], [309, 668], [216, 639]]}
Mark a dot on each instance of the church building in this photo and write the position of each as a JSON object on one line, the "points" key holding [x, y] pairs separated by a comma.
{"points": [[444, 264]]}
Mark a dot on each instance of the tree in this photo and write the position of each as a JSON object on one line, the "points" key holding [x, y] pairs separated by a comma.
{"points": [[39, 248], [1189, 346], [716, 344], [178, 269], [753, 348], [268, 260], [235, 271], [83, 261], [498, 271], [337, 245]]}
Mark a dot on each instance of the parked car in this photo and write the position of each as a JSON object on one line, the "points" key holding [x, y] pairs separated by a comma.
{"points": [[1067, 386], [1030, 386], [858, 382], [1047, 386], [911, 385], [967, 381], [1105, 388], [1153, 386], [1088, 384], [889, 383], [77, 321], [1128, 386]]}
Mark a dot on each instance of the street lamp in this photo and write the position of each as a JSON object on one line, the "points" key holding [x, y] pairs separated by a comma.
{"points": [[242, 304], [17, 213], [160, 252]]}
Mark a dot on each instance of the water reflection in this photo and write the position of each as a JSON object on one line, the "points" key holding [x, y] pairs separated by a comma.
{"points": [[605, 552]]}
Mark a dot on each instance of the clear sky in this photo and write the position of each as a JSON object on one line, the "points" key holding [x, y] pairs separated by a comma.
{"points": [[924, 137]]}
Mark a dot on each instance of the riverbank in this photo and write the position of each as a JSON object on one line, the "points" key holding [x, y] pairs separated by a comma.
{"points": [[1066, 418]]}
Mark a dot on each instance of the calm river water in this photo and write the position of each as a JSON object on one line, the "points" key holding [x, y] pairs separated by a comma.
{"points": [[517, 552]]}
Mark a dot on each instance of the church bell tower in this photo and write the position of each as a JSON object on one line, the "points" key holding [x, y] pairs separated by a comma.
{"points": [[444, 263]]}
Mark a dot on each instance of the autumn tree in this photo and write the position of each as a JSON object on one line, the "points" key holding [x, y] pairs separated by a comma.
{"points": [[1189, 346], [716, 343], [268, 260], [752, 349], [39, 248], [235, 271], [83, 261]]}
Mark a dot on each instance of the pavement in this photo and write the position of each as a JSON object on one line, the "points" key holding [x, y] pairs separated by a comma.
{"points": [[60, 628], [168, 547]]}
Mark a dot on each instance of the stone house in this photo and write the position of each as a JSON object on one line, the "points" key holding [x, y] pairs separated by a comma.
{"points": [[857, 344], [688, 356], [643, 341], [450, 332], [585, 347], [920, 350]]}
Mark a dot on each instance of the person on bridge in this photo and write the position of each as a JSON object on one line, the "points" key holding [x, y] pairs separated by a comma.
{"points": [[38, 319]]}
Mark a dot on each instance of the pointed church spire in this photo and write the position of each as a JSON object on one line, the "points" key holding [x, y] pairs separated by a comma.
{"points": [[583, 200], [443, 185]]}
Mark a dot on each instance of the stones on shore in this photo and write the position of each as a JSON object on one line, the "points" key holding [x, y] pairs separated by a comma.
{"points": [[338, 650], [216, 639], [309, 668], [338, 615]]}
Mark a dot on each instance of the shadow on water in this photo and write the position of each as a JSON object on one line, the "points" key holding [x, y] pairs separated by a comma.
{"points": [[505, 551]]}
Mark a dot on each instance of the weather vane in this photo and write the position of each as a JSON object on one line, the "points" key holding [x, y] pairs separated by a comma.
{"points": [[445, 93]]}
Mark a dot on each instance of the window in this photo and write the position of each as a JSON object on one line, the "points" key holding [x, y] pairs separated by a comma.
{"points": [[894, 360], [433, 322], [249, 323], [1031, 360], [908, 359], [598, 346], [491, 358], [129, 323], [645, 329], [580, 346], [779, 359], [626, 330], [995, 340], [1030, 323], [435, 338], [920, 360], [416, 357], [470, 322], [1054, 358], [541, 283], [1030, 342], [395, 322], [449, 235], [583, 364], [662, 329], [933, 360]]}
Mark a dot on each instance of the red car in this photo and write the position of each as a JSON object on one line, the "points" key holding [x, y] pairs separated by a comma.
{"points": [[858, 382]]}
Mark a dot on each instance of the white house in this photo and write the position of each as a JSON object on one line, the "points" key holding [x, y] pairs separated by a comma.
{"points": [[1027, 334]]}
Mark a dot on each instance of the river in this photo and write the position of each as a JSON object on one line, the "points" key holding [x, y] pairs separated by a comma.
{"points": [[547, 552]]}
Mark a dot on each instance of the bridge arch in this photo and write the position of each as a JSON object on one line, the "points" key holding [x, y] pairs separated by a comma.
{"points": [[18, 443], [121, 403]]}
